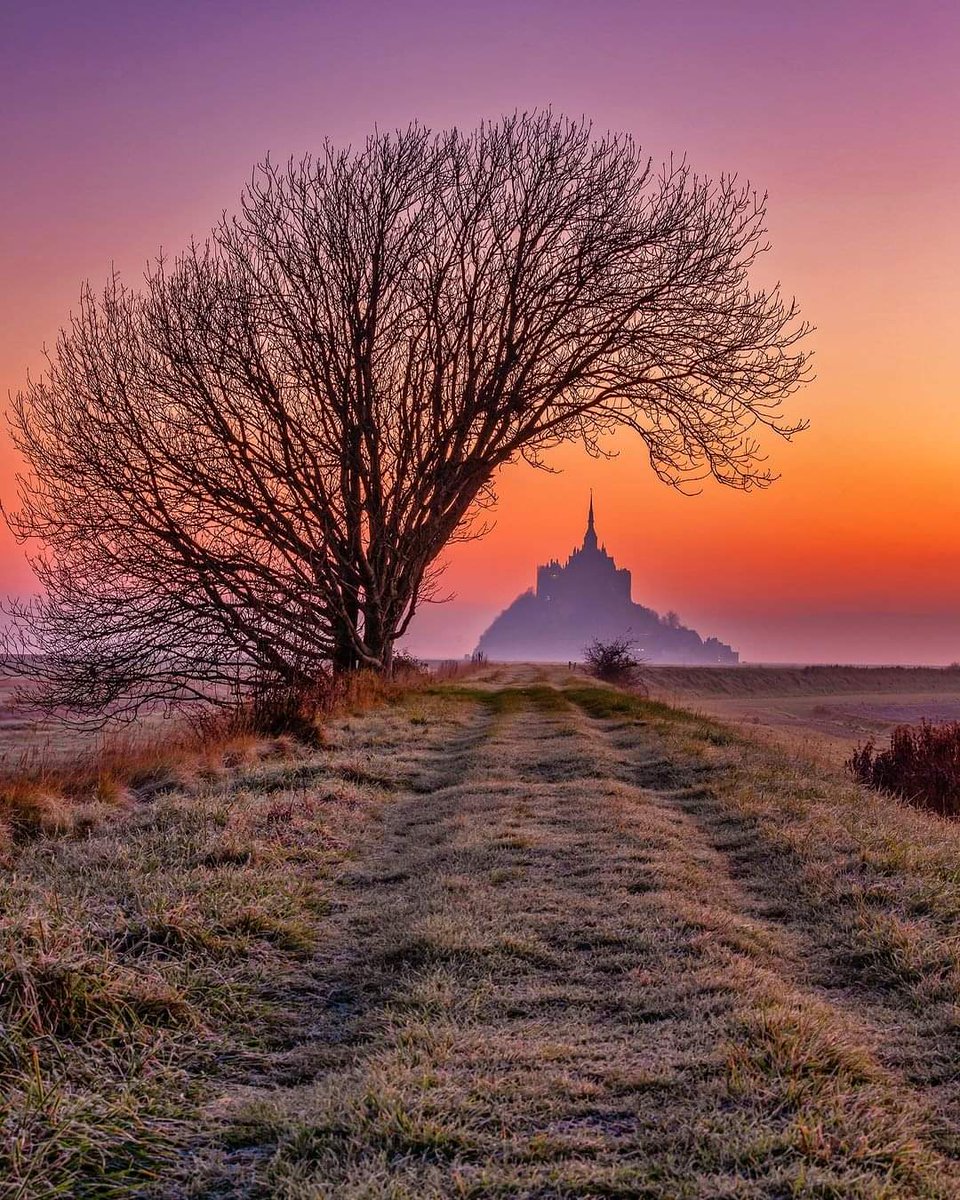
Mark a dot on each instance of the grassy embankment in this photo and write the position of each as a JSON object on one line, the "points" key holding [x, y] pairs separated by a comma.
{"points": [[749, 680], [492, 941], [819, 712]]}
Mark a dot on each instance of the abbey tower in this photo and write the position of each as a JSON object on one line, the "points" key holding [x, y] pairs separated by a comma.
{"points": [[588, 597]]}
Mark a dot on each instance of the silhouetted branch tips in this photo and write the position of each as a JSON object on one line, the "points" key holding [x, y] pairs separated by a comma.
{"points": [[252, 466]]}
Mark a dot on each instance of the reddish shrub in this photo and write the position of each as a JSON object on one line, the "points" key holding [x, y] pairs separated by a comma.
{"points": [[921, 765]]}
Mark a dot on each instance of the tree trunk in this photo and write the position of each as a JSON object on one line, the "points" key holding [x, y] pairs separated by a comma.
{"points": [[378, 638], [345, 657]]}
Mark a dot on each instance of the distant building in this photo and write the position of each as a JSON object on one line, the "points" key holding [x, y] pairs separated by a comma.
{"points": [[589, 597]]}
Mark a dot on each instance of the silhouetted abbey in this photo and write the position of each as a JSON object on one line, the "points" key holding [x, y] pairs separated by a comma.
{"points": [[584, 598]]}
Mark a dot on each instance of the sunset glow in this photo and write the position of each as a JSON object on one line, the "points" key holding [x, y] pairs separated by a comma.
{"points": [[136, 126]]}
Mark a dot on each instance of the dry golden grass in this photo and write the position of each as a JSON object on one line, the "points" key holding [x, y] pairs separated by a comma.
{"points": [[69, 797], [70, 789], [508, 939]]}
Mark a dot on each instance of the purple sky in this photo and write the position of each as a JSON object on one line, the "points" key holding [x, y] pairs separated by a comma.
{"points": [[130, 126]]}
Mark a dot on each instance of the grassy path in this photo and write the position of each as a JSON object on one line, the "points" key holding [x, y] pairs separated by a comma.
{"points": [[530, 938], [588, 947]]}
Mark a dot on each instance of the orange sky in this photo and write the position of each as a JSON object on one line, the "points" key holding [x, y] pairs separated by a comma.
{"points": [[131, 130]]}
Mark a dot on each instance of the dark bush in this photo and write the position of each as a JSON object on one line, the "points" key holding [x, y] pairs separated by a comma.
{"points": [[921, 765], [277, 707], [405, 666], [614, 662]]}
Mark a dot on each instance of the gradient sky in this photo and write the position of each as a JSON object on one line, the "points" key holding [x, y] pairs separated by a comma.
{"points": [[124, 127]]}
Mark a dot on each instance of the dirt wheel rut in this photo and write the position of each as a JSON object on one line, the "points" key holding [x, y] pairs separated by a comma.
{"points": [[548, 974]]}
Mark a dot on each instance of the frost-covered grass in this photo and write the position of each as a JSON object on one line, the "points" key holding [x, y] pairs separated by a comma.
{"points": [[498, 939]]}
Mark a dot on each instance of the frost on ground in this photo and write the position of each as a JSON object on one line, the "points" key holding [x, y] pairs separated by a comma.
{"points": [[526, 938]]}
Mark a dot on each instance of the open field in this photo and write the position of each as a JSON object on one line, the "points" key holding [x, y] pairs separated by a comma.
{"points": [[29, 740], [823, 711], [24, 737], [516, 937]]}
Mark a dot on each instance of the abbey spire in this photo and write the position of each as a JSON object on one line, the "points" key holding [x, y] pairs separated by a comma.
{"points": [[590, 537]]}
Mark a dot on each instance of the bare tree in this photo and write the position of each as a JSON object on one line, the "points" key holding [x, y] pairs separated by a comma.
{"points": [[254, 462]]}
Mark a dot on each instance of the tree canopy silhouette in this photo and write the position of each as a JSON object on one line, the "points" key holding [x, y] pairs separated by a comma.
{"points": [[251, 465]]}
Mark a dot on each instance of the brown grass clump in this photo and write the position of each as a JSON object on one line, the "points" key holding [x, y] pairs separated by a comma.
{"points": [[921, 765], [44, 796], [29, 806], [70, 798]]}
